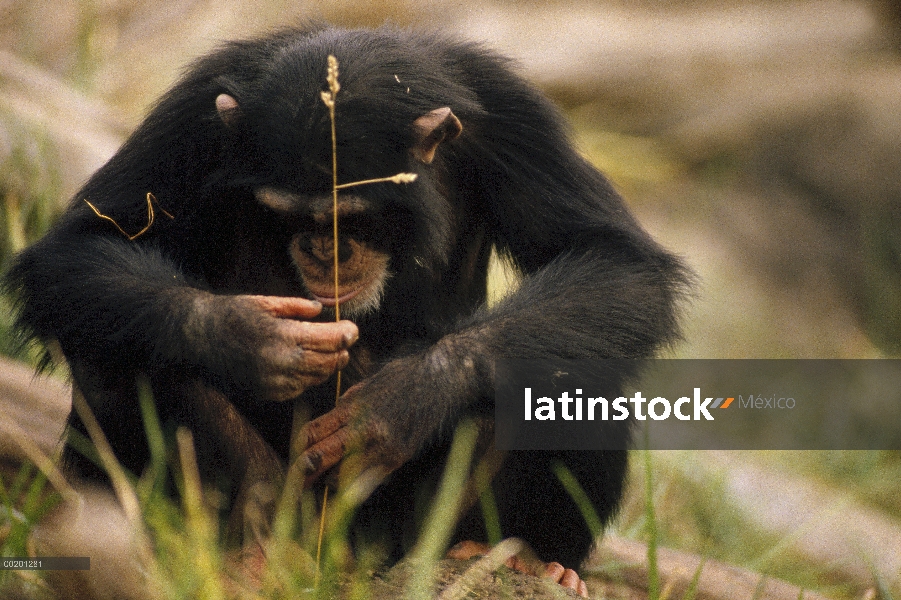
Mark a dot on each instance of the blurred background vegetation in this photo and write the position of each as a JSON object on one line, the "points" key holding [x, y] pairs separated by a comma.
{"points": [[760, 140]]}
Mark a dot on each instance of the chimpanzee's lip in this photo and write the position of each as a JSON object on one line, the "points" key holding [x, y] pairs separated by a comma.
{"points": [[327, 296], [330, 300]]}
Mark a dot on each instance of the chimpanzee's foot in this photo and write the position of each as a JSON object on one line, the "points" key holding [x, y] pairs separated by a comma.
{"points": [[568, 578]]}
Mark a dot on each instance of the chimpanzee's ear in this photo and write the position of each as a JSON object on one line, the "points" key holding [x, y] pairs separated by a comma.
{"points": [[431, 129], [228, 109]]}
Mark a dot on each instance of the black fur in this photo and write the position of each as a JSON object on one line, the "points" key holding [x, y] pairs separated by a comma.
{"points": [[595, 284]]}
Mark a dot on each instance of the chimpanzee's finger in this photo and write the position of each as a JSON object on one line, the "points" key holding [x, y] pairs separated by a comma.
{"points": [[287, 306], [322, 337], [317, 366], [347, 398], [324, 455], [322, 427]]}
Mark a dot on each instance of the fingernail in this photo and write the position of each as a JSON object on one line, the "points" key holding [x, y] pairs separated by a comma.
{"points": [[312, 462]]}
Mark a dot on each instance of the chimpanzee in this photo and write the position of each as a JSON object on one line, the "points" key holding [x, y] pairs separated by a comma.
{"points": [[228, 307]]}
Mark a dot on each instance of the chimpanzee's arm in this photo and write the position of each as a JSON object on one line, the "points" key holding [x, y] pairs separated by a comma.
{"points": [[124, 304], [596, 285], [143, 305]]}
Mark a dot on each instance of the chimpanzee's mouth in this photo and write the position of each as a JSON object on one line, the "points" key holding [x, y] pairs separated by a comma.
{"points": [[360, 290], [330, 300]]}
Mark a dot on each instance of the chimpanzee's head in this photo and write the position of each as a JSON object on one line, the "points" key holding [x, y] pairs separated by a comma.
{"points": [[392, 114]]}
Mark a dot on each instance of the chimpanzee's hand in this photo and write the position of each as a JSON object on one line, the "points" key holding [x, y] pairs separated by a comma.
{"points": [[382, 422], [261, 345], [343, 432]]}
